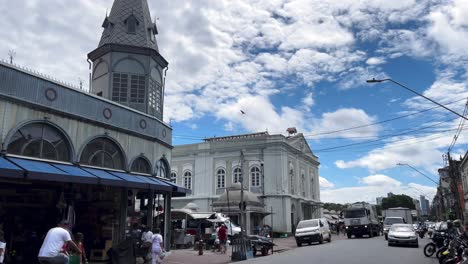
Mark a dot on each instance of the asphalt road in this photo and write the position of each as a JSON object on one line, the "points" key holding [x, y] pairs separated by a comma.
{"points": [[351, 251]]}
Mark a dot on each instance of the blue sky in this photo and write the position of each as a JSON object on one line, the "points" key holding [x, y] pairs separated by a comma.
{"points": [[289, 63]]}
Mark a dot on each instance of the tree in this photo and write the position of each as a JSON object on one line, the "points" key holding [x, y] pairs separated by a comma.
{"points": [[398, 200], [334, 206]]}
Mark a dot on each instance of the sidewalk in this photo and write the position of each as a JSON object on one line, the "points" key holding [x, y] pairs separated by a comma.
{"points": [[179, 256]]}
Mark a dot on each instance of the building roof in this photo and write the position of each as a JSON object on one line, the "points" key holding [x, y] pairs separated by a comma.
{"points": [[242, 136], [115, 29]]}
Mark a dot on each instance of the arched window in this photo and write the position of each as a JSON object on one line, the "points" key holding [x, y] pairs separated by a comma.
{"points": [[141, 165], [237, 173], [103, 152], [173, 177], [255, 176], [161, 169], [220, 178], [132, 24], [188, 180], [40, 140]]}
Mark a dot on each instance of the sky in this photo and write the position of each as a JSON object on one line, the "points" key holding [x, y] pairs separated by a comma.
{"points": [[289, 63]]}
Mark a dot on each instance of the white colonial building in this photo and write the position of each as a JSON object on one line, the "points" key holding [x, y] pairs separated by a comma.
{"points": [[280, 175]]}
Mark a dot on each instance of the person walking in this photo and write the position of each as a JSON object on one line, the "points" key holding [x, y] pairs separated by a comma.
{"points": [[222, 235], [157, 248], [51, 251], [146, 243], [79, 238]]}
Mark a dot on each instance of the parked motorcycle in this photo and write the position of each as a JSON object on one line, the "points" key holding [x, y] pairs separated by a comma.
{"points": [[439, 240], [455, 251]]}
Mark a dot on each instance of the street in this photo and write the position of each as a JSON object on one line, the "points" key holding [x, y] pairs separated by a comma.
{"points": [[351, 251]]}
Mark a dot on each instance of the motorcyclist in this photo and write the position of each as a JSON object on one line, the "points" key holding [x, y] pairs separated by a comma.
{"points": [[451, 229], [457, 224]]}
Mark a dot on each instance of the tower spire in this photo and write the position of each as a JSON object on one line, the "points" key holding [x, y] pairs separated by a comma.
{"points": [[129, 23]]}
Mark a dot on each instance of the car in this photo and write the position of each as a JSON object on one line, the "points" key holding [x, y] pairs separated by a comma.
{"points": [[312, 230], [402, 234], [389, 221]]}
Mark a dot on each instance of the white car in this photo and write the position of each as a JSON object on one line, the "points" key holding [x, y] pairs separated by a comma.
{"points": [[402, 234], [313, 230]]}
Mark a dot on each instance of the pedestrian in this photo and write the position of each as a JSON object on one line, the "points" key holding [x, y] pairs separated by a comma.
{"points": [[79, 238], [51, 251], [337, 229], [157, 248], [2, 247], [146, 243], [222, 235]]}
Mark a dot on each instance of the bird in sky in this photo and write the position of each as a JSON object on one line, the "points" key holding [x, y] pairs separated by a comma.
{"points": [[242, 112]]}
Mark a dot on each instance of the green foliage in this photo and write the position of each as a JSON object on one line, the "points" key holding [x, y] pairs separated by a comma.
{"points": [[398, 200], [334, 206]]}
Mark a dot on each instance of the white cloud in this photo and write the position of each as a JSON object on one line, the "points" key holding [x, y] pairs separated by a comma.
{"points": [[345, 118], [308, 101], [374, 186], [325, 184], [375, 61], [370, 193], [380, 180], [421, 151]]}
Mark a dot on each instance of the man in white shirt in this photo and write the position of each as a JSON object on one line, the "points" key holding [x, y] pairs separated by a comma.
{"points": [[147, 235], [51, 251], [146, 242]]}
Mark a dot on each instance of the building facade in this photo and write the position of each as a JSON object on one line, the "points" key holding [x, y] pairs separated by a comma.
{"points": [[88, 157], [379, 200], [464, 176], [424, 205], [281, 171]]}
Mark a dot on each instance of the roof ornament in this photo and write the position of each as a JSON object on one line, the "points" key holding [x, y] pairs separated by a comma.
{"points": [[291, 131]]}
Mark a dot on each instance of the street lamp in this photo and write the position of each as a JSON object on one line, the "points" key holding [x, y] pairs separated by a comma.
{"points": [[404, 164], [411, 90]]}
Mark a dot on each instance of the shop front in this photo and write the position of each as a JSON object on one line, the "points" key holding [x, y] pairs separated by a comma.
{"points": [[101, 204]]}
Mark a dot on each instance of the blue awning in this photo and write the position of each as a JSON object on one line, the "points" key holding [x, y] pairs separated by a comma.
{"points": [[40, 170], [86, 177], [161, 184], [106, 178], [14, 167], [178, 189], [10, 170], [132, 181]]}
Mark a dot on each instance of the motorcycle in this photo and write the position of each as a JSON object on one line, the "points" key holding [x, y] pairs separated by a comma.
{"points": [[421, 232], [455, 251], [439, 240]]}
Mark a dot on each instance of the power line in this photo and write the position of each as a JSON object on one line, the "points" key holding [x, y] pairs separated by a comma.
{"points": [[344, 129], [389, 136], [460, 126]]}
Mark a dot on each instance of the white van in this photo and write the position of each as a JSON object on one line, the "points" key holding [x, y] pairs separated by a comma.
{"points": [[313, 230]]}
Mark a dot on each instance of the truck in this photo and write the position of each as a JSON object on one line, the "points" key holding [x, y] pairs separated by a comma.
{"points": [[361, 219], [397, 215]]}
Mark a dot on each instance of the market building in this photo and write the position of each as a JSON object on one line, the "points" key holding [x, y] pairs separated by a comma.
{"points": [[100, 159], [280, 174]]}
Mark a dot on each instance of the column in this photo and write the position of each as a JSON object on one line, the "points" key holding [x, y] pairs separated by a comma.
{"points": [[123, 214], [150, 212], [167, 221]]}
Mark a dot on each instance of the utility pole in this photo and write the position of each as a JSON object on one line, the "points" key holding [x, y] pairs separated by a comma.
{"points": [[241, 205]]}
